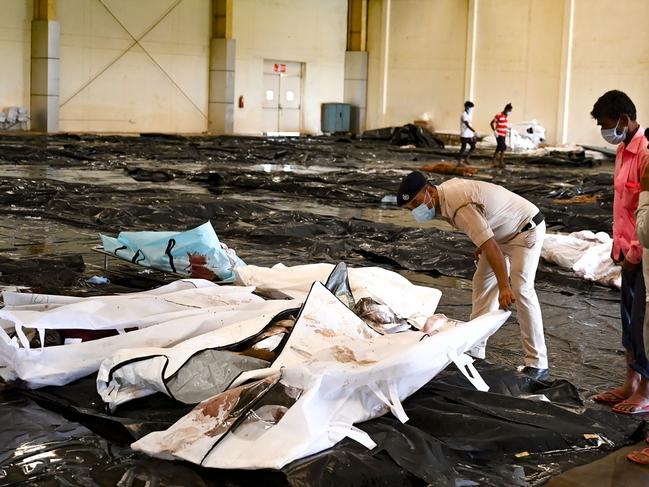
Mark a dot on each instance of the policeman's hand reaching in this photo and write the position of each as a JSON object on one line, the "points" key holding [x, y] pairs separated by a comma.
{"points": [[505, 297]]}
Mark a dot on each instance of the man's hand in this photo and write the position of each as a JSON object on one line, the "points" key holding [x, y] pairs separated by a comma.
{"points": [[644, 181], [628, 266], [506, 297]]}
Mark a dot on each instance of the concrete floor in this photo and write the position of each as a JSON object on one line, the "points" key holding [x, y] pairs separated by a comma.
{"points": [[614, 470]]}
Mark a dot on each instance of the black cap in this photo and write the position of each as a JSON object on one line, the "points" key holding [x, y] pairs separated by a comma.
{"points": [[410, 186]]}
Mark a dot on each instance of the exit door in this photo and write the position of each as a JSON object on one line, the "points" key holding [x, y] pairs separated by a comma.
{"points": [[282, 96]]}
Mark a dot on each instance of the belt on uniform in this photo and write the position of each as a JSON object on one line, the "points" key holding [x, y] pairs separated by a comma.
{"points": [[536, 219]]}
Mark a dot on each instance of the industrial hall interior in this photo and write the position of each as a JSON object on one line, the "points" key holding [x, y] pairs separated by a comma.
{"points": [[315, 243]]}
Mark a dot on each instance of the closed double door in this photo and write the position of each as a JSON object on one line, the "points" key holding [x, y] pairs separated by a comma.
{"points": [[282, 96]]}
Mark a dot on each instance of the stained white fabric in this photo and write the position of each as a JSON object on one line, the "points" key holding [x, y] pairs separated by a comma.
{"points": [[164, 317], [347, 374], [139, 370], [408, 301]]}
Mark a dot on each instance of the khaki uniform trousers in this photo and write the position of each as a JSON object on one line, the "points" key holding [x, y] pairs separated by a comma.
{"points": [[522, 253]]}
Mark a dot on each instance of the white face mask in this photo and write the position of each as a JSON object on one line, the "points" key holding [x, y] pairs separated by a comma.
{"points": [[469, 110], [612, 136]]}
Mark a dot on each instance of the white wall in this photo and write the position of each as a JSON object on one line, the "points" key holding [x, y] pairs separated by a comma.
{"points": [[15, 54], [610, 51], [313, 32], [520, 45], [110, 84], [518, 60], [425, 62]]}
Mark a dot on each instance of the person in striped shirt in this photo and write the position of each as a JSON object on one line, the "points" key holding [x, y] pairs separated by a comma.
{"points": [[499, 125]]}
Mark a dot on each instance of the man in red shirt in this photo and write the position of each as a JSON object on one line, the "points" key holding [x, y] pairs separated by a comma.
{"points": [[500, 125], [616, 115]]}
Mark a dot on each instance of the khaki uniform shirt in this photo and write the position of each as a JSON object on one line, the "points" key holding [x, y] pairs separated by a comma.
{"points": [[483, 210]]}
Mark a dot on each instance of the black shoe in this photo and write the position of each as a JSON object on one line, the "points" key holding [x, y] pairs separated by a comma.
{"points": [[536, 374]]}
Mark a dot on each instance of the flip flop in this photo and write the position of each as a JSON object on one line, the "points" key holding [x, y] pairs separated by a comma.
{"points": [[639, 456], [638, 408], [609, 397]]}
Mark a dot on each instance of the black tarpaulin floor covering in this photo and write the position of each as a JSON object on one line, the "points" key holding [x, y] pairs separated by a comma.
{"points": [[455, 436], [300, 201]]}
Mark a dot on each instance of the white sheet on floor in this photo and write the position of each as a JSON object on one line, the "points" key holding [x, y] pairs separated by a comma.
{"points": [[586, 253], [348, 374], [139, 371], [164, 317], [136, 373]]}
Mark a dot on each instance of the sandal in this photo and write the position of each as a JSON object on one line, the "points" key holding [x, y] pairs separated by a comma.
{"points": [[639, 456], [636, 408], [609, 397]]}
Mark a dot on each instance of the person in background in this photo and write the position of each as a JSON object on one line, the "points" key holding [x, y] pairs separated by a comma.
{"points": [[500, 125], [616, 115], [467, 134], [642, 230], [500, 223]]}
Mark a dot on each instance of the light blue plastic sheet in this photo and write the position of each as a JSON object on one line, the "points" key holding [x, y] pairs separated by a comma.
{"points": [[195, 253]]}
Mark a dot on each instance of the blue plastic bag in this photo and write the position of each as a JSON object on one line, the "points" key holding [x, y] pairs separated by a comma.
{"points": [[196, 253]]}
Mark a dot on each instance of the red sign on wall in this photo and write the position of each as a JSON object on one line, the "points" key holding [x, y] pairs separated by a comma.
{"points": [[279, 68]]}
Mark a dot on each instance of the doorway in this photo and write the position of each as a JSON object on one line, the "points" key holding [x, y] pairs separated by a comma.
{"points": [[282, 96]]}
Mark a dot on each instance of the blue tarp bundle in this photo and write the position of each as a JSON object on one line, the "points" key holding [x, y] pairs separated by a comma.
{"points": [[196, 252]]}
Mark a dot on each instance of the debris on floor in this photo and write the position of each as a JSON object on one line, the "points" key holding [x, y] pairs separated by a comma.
{"points": [[447, 168]]}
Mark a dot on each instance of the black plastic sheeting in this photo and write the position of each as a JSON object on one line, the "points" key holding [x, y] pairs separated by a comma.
{"points": [[455, 434], [298, 201], [408, 134]]}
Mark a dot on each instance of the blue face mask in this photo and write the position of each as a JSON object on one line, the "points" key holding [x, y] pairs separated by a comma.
{"points": [[423, 214]]}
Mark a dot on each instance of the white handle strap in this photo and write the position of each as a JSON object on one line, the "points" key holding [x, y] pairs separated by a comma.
{"points": [[354, 433], [465, 364], [397, 408], [7, 339], [22, 338], [393, 403], [41, 336]]}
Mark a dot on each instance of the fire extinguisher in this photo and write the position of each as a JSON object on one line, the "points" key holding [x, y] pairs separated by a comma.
{"points": [[241, 101]]}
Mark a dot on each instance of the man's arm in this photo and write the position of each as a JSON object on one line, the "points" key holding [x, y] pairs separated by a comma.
{"points": [[469, 126], [642, 214], [633, 257], [496, 260], [492, 124]]}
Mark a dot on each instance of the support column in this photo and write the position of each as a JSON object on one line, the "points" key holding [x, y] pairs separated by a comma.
{"points": [[563, 108], [44, 99], [471, 38], [221, 79], [355, 92]]}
